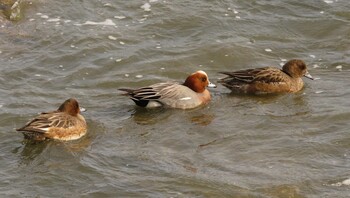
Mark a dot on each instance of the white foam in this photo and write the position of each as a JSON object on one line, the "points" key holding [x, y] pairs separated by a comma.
{"points": [[315, 66], [107, 22], [283, 59], [118, 60], [126, 75], [146, 7], [237, 17], [268, 50], [119, 17], [37, 75], [122, 43], [152, 1], [139, 76], [112, 38], [312, 56], [44, 16], [318, 92], [339, 67], [345, 182], [53, 20], [329, 1]]}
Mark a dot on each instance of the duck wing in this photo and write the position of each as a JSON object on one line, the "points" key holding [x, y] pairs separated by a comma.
{"points": [[44, 121], [152, 92], [264, 74]]}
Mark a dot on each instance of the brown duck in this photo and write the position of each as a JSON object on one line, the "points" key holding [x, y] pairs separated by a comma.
{"points": [[267, 79], [65, 123]]}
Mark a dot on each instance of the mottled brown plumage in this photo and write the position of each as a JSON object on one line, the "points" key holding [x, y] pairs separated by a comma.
{"points": [[65, 123], [267, 79]]}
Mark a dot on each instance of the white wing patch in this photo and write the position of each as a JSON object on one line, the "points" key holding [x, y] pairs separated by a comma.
{"points": [[185, 98]]}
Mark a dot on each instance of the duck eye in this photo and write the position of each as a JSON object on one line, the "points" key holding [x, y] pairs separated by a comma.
{"points": [[204, 79]]}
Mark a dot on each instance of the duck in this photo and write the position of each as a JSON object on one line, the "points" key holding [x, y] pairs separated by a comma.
{"points": [[65, 123], [190, 94], [267, 80]]}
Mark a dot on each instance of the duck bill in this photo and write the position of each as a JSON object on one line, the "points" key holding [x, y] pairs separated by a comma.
{"points": [[211, 85], [307, 75], [82, 109]]}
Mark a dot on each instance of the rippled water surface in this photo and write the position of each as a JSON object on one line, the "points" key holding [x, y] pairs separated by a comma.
{"points": [[292, 145]]}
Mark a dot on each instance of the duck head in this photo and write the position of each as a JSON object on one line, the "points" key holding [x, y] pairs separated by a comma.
{"points": [[198, 81], [296, 69]]}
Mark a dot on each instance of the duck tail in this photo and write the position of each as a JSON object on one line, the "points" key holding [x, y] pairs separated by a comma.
{"points": [[126, 90]]}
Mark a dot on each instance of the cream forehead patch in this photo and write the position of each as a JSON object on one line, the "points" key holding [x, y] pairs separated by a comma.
{"points": [[201, 72]]}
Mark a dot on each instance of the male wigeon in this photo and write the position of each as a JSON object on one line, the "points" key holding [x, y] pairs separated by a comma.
{"points": [[192, 93], [267, 79], [65, 123]]}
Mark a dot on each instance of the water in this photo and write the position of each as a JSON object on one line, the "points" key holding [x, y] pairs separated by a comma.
{"points": [[293, 145]]}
